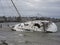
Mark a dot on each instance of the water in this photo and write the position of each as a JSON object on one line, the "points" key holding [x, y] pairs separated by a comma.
{"points": [[29, 38]]}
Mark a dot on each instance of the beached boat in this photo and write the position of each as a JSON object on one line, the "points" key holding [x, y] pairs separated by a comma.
{"points": [[37, 25]]}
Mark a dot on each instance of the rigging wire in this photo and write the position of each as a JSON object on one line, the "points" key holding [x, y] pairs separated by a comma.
{"points": [[16, 9]]}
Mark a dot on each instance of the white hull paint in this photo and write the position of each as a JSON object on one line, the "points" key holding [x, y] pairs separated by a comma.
{"points": [[38, 25]]}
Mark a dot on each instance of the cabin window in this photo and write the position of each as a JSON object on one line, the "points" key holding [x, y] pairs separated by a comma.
{"points": [[26, 24], [36, 24]]}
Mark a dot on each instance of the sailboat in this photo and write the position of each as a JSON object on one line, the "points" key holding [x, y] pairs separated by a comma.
{"points": [[37, 25]]}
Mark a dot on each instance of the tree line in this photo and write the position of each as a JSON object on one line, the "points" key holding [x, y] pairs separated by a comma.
{"points": [[19, 19]]}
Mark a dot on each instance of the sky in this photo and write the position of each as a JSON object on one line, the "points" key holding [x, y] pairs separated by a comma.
{"points": [[45, 8]]}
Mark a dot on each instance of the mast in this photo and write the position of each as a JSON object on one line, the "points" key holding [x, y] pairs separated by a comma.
{"points": [[19, 18]]}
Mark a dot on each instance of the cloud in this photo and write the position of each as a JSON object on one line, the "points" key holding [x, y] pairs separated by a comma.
{"points": [[49, 8]]}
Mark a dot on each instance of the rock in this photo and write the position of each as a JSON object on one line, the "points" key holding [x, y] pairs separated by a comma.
{"points": [[3, 42]]}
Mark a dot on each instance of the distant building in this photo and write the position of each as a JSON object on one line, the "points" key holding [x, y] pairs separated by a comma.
{"points": [[2, 19], [11, 19]]}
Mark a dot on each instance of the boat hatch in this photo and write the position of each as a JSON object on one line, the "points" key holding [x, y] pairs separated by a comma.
{"points": [[19, 25]]}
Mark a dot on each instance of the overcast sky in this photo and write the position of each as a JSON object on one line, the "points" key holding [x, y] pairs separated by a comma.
{"points": [[46, 8]]}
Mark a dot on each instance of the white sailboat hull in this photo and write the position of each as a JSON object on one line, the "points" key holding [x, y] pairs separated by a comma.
{"points": [[38, 25]]}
